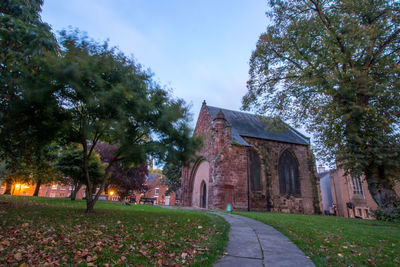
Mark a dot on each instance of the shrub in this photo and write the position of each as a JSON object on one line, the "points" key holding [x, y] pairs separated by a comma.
{"points": [[388, 215]]}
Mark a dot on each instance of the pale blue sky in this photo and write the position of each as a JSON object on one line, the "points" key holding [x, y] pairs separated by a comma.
{"points": [[200, 49]]}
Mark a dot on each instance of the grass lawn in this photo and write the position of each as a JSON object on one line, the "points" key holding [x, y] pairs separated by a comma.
{"points": [[49, 231], [335, 241]]}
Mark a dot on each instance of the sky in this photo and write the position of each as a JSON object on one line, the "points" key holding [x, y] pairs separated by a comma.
{"points": [[198, 48]]}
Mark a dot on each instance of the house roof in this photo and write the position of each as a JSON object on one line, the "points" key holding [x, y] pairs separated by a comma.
{"points": [[151, 177], [250, 125]]}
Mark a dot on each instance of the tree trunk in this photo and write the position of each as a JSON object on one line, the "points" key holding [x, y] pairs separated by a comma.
{"points": [[37, 188], [89, 202], [77, 187], [8, 187], [381, 189]]}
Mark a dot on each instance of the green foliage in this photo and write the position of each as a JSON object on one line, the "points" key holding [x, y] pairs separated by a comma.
{"points": [[30, 118], [173, 174], [70, 163], [333, 66], [386, 215], [108, 97]]}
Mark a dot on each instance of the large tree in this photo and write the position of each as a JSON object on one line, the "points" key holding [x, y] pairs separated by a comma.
{"points": [[334, 67], [29, 115], [108, 97]]}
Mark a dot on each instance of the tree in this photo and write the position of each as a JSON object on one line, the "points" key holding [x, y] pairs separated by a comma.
{"points": [[70, 163], [109, 98], [334, 66], [173, 174], [123, 179], [29, 114]]}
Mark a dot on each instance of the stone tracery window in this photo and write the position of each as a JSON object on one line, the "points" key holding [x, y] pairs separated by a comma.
{"points": [[255, 171], [289, 182]]}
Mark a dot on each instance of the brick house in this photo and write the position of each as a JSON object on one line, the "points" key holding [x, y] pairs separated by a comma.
{"points": [[346, 189], [47, 190], [156, 190], [251, 163]]}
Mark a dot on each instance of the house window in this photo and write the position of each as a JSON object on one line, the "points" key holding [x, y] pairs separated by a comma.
{"points": [[255, 171], [156, 191], [289, 182], [70, 188], [357, 186], [54, 186], [62, 187], [52, 195]]}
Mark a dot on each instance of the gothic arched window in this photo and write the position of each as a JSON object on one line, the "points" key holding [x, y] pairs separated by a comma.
{"points": [[255, 171], [289, 182]]}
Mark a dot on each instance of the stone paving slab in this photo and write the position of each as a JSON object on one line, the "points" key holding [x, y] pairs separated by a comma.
{"points": [[253, 243]]}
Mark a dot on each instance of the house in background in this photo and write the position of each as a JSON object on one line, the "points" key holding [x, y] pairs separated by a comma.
{"points": [[156, 190], [351, 195], [47, 190]]}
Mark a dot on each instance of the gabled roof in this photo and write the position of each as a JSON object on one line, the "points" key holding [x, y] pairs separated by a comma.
{"points": [[151, 177], [250, 125]]}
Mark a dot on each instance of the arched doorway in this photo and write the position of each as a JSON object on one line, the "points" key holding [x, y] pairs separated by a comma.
{"points": [[203, 195], [200, 185]]}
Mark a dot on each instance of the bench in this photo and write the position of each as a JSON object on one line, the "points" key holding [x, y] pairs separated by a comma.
{"points": [[146, 200]]}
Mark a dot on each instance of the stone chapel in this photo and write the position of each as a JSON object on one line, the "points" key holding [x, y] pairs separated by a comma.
{"points": [[251, 163]]}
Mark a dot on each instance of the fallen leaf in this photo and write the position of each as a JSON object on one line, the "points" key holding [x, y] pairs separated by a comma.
{"points": [[18, 256]]}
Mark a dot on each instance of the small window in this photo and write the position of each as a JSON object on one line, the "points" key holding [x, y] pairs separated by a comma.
{"points": [[52, 195], [156, 191], [357, 186], [54, 186], [62, 187], [70, 188]]}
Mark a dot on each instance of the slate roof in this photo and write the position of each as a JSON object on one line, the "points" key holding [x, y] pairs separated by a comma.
{"points": [[250, 125], [151, 177]]}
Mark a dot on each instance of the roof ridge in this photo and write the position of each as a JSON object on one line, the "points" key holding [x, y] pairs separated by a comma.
{"points": [[247, 113]]}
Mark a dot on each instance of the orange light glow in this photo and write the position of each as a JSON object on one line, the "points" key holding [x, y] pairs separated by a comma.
{"points": [[26, 186], [17, 185], [111, 193]]}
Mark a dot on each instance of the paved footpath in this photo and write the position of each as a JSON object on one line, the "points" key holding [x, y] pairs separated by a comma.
{"points": [[253, 243]]}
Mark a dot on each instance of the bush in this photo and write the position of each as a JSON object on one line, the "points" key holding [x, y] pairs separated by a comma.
{"points": [[387, 215]]}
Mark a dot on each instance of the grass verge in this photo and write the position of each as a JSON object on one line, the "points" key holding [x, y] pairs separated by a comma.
{"points": [[336, 241], [49, 231]]}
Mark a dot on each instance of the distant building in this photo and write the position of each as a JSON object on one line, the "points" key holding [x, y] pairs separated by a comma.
{"points": [[47, 190], [350, 195], [156, 191], [326, 192]]}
